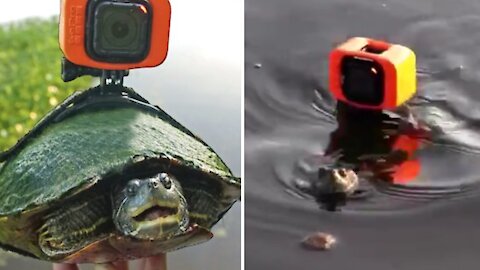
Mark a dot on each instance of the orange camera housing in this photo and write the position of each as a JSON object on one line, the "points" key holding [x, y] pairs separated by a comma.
{"points": [[395, 64], [73, 36]]}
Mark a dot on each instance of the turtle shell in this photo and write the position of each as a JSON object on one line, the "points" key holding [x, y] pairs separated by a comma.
{"points": [[78, 145]]}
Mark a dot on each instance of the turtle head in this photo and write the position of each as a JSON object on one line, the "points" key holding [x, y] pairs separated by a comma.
{"points": [[151, 208]]}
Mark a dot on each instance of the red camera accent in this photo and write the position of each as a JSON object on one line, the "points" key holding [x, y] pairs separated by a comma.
{"points": [[72, 36]]}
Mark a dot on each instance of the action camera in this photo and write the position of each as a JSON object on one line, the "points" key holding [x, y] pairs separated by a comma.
{"points": [[115, 34], [372, 74]]}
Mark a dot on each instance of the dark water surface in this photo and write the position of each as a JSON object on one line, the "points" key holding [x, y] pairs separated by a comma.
{"points": [[428, 222]]}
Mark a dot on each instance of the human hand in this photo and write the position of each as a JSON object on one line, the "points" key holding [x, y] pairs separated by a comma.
{"points": [[153, 263]]}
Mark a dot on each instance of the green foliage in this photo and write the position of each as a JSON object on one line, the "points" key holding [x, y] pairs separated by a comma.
{"points": [[30, 81]]}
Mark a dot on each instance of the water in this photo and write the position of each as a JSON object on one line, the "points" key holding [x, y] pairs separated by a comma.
{"points": [[426, 218]]}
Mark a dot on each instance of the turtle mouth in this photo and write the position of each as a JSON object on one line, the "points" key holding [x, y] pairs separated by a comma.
{"points": [[155, 212]]}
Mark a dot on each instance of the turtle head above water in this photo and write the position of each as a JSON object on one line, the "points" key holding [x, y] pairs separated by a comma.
{"points": [[150, 208]]}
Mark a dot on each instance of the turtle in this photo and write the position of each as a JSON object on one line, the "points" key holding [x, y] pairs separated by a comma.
{"points": [[107, 176], [334, 187]]}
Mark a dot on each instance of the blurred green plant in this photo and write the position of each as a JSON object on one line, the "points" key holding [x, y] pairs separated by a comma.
{"points": [[30, 82]]}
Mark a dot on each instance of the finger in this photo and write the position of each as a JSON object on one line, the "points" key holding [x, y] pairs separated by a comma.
{"points": [[58, 266], [142, 264], [121, 265], [155, 263], [105, 266]]}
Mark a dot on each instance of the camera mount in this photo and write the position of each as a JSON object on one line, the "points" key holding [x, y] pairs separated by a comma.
{"points": [[71, 71], [113, 77]]}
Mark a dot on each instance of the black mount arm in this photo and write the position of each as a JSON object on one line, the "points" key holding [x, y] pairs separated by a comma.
{"points": [[71, 71]]}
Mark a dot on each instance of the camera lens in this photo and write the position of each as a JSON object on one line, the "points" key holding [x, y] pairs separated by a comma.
{"points": [[120, 31], [114, 31], [363, 81]]}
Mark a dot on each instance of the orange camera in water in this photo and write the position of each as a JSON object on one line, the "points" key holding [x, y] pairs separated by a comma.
{"points": [[372, 74], [115, 34]]}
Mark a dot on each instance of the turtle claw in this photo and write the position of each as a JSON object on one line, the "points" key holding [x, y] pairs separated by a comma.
{"points": [[123, 248]]}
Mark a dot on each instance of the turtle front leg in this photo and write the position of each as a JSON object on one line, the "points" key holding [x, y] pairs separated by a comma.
{"points": [[75, 225]]}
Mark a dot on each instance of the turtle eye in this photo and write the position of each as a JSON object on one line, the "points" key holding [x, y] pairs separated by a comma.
{"points": [[166, 181], [132, 187]]}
